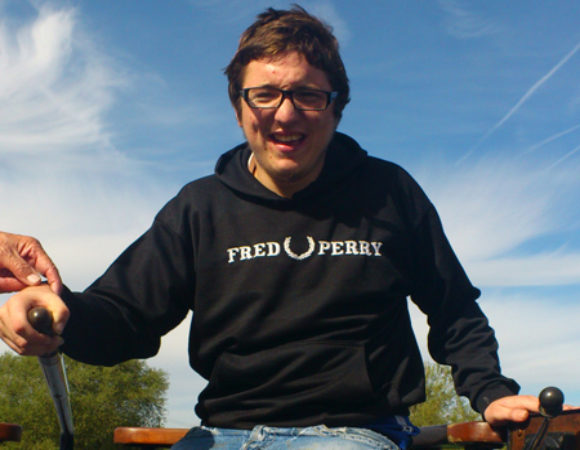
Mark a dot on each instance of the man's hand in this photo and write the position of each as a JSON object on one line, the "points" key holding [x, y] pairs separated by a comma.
{"points": [[17, 332], [22, 262], [514, 408]]}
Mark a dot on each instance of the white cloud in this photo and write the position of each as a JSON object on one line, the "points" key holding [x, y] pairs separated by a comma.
{"points": [[495, 207], [546, 269], [528, 94], [61, 178], [490, 207], [538, 338], [328, 13], [54, 87], [465, 23], [185, 384], [565, 157]]}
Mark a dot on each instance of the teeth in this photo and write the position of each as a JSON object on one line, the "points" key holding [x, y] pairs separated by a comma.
{"points": [[288, 138]]}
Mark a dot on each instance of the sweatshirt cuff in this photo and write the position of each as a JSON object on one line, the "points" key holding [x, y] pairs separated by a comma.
{"points": [[495, 392]]}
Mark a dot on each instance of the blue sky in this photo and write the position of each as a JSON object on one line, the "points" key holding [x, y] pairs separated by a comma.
{"points": [[107, 108]]}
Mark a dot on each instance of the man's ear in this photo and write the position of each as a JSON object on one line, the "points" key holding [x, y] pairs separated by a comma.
{"points": [[238, 111]]}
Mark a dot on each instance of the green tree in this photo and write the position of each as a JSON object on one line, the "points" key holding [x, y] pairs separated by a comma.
{"points": [[443, 405], [102, 398]]}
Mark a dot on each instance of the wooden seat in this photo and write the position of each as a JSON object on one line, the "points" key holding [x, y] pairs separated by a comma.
{"points": [[564, 430], [153, 437], [10, 432], [464, 434]]}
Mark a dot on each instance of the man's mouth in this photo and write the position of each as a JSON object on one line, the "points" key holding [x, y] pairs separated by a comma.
{"points": [[287, 138]]}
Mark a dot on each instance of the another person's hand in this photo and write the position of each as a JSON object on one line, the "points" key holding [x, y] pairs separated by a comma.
{"points": [[16, 331], [22, 262]]}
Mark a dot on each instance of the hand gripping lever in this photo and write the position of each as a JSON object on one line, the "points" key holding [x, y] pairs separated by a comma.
{"points": [[551, 401], [54, 372]]}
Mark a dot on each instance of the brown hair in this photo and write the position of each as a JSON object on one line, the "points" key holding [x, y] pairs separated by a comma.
{"points": [[277, 31]]}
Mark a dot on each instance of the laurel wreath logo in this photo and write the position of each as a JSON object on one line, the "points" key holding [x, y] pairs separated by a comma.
{"points": [[306, 254]]}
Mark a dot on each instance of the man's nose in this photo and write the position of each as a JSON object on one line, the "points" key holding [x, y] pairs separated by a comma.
{"points": [[286, 111]]}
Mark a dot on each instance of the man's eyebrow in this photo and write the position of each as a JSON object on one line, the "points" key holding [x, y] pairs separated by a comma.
{"points": [[293, 88]]}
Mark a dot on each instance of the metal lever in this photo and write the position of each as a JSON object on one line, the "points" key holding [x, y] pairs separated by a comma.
{"points": [[551, 403], [53, 368]]}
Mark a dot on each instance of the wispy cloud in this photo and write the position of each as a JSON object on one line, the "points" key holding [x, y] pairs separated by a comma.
{"points": [[479, 224], [60, 174], [548, 329], [536, 335], [514, 109], [328, 12], [494, 207], [550, 139], [54, 87], [555, 268], [464, 23], [564, 158]]}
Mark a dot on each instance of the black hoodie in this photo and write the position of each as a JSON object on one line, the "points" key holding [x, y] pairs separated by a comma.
{"points": [[300, 305]]}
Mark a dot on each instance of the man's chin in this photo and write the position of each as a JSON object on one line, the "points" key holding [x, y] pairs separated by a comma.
{"points": [[295, 179]]}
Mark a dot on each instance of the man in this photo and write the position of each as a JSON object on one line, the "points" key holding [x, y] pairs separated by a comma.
{"points": [[297, 257]]}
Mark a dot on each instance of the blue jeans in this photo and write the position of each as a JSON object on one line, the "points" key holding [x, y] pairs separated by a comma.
{"points": [[271, 438]]}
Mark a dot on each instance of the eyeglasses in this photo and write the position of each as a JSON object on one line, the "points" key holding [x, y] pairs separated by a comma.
{"points": [[303, 99]]}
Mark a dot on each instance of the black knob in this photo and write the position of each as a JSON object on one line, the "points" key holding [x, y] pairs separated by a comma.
{"points": [[551, 401], [41, 319]]}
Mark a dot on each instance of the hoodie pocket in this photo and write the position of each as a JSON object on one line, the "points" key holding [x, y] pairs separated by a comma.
{"points": [[312, 375]]}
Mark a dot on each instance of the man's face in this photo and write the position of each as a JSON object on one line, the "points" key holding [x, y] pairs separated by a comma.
{"points": [[289, 145]]}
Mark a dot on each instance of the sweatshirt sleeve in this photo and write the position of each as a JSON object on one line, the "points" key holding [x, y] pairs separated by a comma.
{"points": [[144, 294], [459, 334]]}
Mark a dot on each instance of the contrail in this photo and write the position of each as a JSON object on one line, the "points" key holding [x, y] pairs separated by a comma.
{"points": [[563, 158], [550, 139], [522, 100]]}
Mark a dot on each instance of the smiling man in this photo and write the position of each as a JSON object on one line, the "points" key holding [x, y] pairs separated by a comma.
{"points": [[286, 120], [297, 258]]}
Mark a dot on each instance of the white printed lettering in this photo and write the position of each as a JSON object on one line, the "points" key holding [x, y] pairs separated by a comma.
{"points": [[377, 248], [273, 248], [259, 249], [331, 248], [245, 252], [365, 248], [337, 248], [323, 246], [232, 254], [351, 248]]}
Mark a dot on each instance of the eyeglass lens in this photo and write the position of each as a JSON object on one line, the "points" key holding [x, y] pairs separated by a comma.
{"points": [[306, 99]]}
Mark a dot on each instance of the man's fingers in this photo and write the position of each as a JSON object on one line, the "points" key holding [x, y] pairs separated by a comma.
{"points": [[53, 279], [519, 415], [569, 407], [23, 262], [44, 265], [514, 408], [16, 329], [10, 284], [16, 266], [13, 251]]}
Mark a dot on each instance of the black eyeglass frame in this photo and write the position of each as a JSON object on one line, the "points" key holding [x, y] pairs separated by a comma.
{"points": [[330, 97]]}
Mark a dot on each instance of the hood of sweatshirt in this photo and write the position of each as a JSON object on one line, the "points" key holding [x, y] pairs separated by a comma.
{"points": [[343, 157]]}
